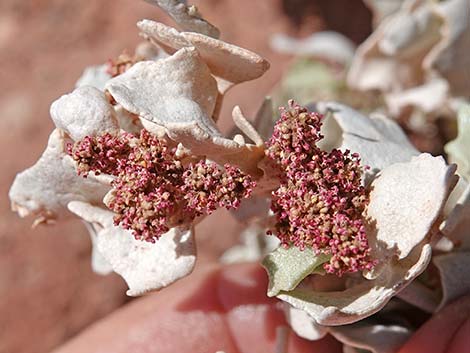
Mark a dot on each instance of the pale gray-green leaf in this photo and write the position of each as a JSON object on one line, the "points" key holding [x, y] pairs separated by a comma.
{"points": [[288, 267]]}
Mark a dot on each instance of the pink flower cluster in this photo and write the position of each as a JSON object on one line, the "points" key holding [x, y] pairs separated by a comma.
{"points": [[155, 189], [207, 187], [320, 200], [101, 154]]}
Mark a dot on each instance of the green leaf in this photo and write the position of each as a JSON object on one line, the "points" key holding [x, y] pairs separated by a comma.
{"points": [[287, 267], [459, 149]]}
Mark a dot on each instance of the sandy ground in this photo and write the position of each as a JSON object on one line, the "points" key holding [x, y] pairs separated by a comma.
{"points": [[47, 290]]}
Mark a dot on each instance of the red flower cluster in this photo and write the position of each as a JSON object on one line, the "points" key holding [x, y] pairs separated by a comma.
{"points": [[320, 200], [154, 189]]}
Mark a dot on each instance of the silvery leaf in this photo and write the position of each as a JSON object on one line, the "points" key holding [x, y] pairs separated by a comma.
{"points": [[49, 185], [144, 266], [84, 112]]}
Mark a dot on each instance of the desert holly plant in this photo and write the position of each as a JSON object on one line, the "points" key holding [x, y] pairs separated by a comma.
{"points": [[357, 211]]}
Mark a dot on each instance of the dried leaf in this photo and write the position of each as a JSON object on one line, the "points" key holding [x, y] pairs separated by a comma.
{"points": [[84, 112], [52, 183], [286, 268], [144, 266]]}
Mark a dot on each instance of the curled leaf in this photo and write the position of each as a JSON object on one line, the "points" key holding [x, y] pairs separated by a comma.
{"points": [[181, 106], [410, 31]]}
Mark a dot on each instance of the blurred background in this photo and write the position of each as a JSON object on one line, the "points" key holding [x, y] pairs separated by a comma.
{"points": [[48, 292]]}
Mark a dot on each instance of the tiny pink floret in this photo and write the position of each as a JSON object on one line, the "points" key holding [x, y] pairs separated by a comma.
{"points": [[320, 200], [155, 190]]}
